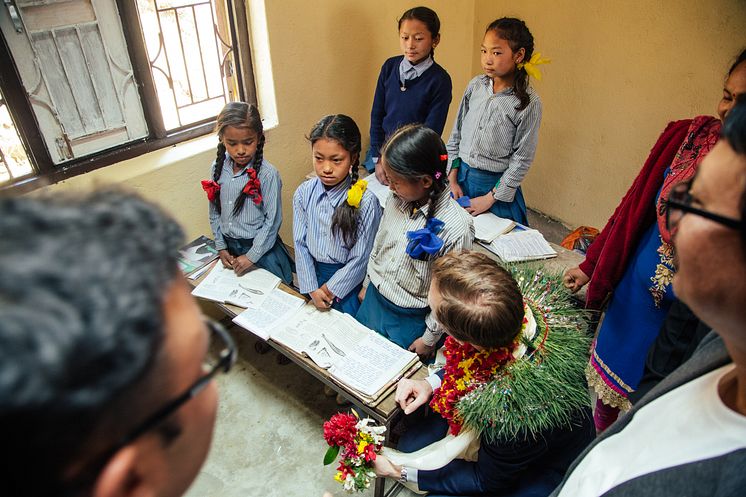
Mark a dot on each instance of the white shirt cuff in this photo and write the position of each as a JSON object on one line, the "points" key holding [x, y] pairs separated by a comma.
{"points": [[431, 337], [434, 381], [412, 475]]}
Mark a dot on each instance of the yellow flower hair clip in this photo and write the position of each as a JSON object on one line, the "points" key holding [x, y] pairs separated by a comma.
{"points": [[355, 193], [530, 66]]}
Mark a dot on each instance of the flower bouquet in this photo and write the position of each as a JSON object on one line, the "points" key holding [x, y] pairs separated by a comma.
{"points": [[356, 441]]}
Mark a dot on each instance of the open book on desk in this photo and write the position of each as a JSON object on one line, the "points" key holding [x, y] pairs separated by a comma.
{"points": [[521, 245], [248, 291], [355, 356], [488, 226]]}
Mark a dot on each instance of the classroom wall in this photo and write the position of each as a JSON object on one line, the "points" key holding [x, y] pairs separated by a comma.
{"points": [[620, 71], [325, 57]]}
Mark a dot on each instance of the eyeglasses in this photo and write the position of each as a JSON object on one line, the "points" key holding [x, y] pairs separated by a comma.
{"points": [[214, 364], [680, 202]]}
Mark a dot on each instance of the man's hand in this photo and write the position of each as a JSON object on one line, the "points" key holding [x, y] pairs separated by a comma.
{"points": [[361, 295], [241, 265], [421, 348], [456, 190], [385, 468], [381, 174], [481, 204], [574, 279], [411, 394], [226, 258]]}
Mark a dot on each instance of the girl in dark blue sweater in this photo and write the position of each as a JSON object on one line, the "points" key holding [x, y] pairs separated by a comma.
{"points": [[411, 88]]}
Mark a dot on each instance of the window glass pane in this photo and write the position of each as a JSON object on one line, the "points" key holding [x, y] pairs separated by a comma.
{"points": [[191, 58], [14, 162]]}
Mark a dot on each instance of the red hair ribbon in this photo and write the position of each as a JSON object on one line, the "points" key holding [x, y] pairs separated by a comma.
{"points": [[444, 157], [253, 186], [212, 188]]}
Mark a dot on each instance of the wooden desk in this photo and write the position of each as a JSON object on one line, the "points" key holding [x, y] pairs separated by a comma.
{"points": [[384, 411]]}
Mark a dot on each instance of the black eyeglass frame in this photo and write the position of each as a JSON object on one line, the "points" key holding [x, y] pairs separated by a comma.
{"points": [[225, 362], [685, 207]]}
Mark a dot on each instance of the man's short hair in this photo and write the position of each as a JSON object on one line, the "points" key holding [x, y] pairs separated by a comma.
{"points": [[481, 302], [81, 323]]}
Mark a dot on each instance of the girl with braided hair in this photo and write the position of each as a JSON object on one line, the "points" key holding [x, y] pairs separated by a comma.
{"points": [[493, 142], [421, 223], [335, 218], [246, 232]]}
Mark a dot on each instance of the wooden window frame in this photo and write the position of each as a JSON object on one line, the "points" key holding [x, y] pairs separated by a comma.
{"points": [[46, 172]]}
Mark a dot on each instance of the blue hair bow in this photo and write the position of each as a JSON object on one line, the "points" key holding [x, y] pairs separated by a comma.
{"points": [[426, 240]]}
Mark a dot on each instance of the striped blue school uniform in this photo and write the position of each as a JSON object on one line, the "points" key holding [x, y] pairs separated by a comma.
{"points": [[395, 303], [254, 230], [496, 145], [321, 255]]}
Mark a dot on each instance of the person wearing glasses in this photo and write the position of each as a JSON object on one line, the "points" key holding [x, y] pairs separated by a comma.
{"points": [[630, 265], [106, 362], [688, 435]]}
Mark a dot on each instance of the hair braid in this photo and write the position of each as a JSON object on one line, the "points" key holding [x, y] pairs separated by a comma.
{"points": [[258, 158], [217, 170], [343, 130], [518, 36], [347, 228], [259, 155], [244, 116]]}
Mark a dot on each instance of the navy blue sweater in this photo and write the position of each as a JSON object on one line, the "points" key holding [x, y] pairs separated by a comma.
{"points": [[425, 101]]}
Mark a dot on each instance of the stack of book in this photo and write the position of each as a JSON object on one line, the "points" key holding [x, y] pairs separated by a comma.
{"points": [[195, 257]]}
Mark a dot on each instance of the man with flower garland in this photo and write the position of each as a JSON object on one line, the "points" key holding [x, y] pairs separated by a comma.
{"points": [[512, 397]]}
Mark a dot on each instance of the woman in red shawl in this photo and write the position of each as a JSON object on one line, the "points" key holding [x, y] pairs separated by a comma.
{"points": [[630, 263]]}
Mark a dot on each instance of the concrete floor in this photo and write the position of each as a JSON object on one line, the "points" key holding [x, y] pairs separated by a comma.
{"points": [[268, 439]]}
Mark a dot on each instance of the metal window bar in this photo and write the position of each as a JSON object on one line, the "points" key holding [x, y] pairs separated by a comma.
{"points": [[168, 72], [3, 161], [8, 175]]}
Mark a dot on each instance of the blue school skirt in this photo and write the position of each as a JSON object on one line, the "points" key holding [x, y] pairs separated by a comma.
{"points": [[401, 325], [349, 303], [277, 260], [477, 182]]}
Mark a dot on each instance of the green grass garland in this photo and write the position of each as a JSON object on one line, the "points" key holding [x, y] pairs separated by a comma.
{"points": [[544, 388]]}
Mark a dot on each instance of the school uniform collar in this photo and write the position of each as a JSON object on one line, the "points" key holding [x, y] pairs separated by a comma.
{"points": [[335, 194], [228, 164], [487, 82], [412, 211], [408, 71]]}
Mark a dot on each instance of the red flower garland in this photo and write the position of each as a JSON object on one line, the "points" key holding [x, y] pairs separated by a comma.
{"points": [[212, 188], [253, 186], [466, 368]]}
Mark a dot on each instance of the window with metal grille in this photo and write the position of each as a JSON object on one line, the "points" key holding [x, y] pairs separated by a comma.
{"points": [[14, 163], [94, 82]]}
